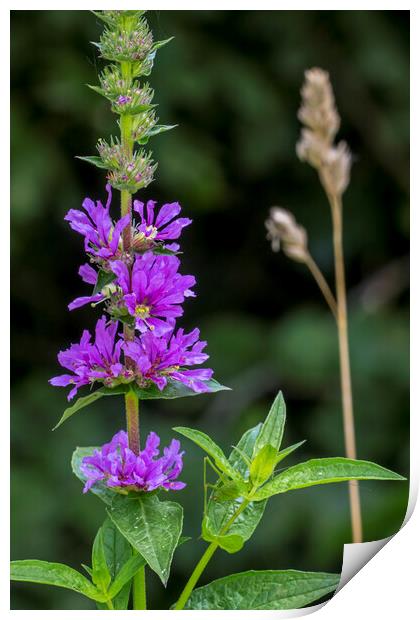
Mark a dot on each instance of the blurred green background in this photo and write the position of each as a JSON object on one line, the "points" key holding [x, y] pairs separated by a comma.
{"points": [[231, 81]]}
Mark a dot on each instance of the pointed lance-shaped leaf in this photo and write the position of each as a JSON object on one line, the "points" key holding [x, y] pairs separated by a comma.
{"points": [[324, 471], [266, 589], [93, 159], [127, 572], [160, 44], [211, 448], [272, 430], [54, 574], [101, 575], [97, 89], [117, 553]]}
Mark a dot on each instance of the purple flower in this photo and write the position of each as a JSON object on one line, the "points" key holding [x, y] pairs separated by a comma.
{"points": [[123, 99], [102, 236], [89, 275], [159, 227], [121, 468], [89, 362], [160, 358], [154, 292]]}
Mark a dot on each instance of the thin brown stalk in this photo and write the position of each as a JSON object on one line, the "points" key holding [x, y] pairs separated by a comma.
{"points": [[322, 283], [343, 340]]}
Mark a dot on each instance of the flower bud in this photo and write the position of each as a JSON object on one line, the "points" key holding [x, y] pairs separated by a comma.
{"points": [[285, 232]]}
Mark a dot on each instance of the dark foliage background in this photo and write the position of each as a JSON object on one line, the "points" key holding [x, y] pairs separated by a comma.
{"points": [[231, 81]]}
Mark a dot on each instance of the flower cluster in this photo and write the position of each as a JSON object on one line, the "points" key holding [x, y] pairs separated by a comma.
{"points": [[103, 236], [144, 290], [153, 359], [125, 471]]}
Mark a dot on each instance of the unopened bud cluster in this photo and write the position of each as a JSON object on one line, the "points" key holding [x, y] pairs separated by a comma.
{"points": [[127, 171], [122, 43], [316, 145], [128, 43]]}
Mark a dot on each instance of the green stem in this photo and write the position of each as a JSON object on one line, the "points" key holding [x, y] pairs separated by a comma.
{"points": [[205, 559], [126, 128], [139, 589], [109, 604]]}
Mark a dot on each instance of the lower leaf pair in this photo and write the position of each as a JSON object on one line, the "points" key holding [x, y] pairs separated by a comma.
{"points": [[113, 567]]}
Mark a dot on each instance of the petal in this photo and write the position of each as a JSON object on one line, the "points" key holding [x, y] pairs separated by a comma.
{"points": [[88, 274], [167, 213], [138, 207], [174, 229], [82, 301]]}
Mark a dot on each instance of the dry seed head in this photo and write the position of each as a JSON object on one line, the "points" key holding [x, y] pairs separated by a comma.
{"points": [[312, 149], [318, 111], [285, 232], [335, 173]]}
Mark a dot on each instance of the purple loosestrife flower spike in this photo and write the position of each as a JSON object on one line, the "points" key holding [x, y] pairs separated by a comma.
{"points": [[90, 362], [159, 358], [160, 227], [155, 291], [102, 236], [124, 471]]}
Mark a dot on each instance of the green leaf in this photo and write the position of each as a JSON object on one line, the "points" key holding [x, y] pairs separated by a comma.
{"points": [[54, 574], [80, 403], [219, 513], [101, 575], [104, 278], [263, 465], [87, 569], [173, 389], [208, 445], [152, 527], [229, 542], [154, 131], [230, 490], [97, 89], [283, 453], [160, 44], [93, 159], [271, 432], [324, 471], [99, 489], [117, 552], [267, 589], [127, 572]]}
